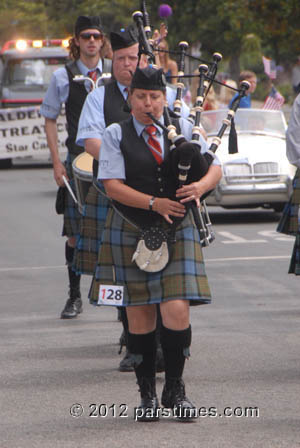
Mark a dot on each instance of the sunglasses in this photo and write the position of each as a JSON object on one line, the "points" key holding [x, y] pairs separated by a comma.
{"points": [[87, 36]]}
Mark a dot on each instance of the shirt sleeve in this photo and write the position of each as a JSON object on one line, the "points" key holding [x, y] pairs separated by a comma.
{"points": [[56, 95], [111, 160], [171, 97], [91, 122], [293, 134]]}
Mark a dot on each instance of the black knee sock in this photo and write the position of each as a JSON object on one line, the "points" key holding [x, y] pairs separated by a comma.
{"points": [[158, 326], [175, 345], [74, 279], [69, 253], [143, 348], [124, 321]]}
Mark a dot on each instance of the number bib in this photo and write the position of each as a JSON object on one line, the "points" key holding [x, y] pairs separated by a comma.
{"points": [[111, 295]]}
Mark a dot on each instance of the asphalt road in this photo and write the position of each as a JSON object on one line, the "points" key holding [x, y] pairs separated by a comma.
{"points": [[244, 372]]}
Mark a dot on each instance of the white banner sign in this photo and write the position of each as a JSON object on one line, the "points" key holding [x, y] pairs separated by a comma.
{"points": [[22, 132]]}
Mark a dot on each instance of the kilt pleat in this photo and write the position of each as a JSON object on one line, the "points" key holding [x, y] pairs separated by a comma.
{"points": [[91, 227], [183, 278], [289, 222]]}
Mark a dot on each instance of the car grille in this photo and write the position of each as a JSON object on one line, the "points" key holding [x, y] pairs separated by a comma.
{"points": [[245, 172]]}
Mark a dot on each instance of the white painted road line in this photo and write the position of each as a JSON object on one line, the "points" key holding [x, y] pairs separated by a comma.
{"points": [[268, 257], [26, 268]]}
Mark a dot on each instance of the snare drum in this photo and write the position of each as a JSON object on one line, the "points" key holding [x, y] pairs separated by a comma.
{"points": [[83, 176]]}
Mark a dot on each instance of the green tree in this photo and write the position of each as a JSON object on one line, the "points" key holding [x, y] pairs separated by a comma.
{"points": [[62, 15], [278, 27], [218, 25], [22, 19]]}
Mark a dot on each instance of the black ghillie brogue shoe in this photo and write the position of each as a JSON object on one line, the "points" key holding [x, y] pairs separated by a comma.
{"points": [[127, 363], [148, 410], [73, 305], [173, 396]]}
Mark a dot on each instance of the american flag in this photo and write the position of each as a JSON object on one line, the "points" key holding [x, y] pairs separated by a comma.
{"points": [[274, 100], [269, 67]]}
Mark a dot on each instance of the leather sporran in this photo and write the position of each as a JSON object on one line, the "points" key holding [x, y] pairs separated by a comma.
{"points": [[153, 250]]}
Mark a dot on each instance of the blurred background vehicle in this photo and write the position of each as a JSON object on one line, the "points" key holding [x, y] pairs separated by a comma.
{"points": [[26, 67], [259, 174]]}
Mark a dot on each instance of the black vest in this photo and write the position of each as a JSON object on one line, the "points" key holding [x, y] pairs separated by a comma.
{"points": [[74, 104], [143, 173], [113, 109]]}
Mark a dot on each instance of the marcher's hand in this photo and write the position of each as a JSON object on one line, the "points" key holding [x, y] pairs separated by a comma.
{"points": [[166, 207], [155, 37], [191, 192], [59, 172]]}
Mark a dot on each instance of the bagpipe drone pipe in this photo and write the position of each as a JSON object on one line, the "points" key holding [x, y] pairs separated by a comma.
{"points": [[187, 163]]}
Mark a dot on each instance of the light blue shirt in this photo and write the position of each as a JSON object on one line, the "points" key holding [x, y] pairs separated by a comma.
{"points": [[92, 123], [58, 90], [111, 163]]}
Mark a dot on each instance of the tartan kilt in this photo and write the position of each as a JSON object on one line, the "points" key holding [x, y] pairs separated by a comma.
{"points": [[91, 228], [295, 259], [183, 278], [289, 221], [72, 217]]}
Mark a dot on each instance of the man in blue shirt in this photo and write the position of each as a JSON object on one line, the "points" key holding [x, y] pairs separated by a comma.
{"points": [[85, 49]]}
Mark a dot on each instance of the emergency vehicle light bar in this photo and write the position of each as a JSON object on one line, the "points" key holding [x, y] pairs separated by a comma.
{"points": [[22, 44]]}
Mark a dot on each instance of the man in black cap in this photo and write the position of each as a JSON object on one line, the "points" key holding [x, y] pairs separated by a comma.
{"points": [[102, 107], [85, 49], [134, 166]]}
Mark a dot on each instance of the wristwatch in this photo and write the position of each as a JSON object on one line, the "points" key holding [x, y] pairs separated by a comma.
{"points": [[151, 202]]}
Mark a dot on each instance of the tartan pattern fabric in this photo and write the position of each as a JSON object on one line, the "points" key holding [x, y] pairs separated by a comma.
{"points": [[153, 144], [295, 259], [183, 278], [91, 228], [72, 217], [289, 221]]}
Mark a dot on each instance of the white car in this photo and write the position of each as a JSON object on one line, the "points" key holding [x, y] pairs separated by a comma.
{"points": [[259, 174]]}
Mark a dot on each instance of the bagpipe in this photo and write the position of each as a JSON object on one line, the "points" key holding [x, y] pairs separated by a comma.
{"points": [[187, 162], [105, 77]]}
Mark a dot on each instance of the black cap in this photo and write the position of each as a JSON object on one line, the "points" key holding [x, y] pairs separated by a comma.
{"points": [[124, 38], [86, 23], [149, 78]]}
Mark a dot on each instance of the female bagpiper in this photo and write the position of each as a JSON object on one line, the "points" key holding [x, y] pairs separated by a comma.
{"points": [[134, 167], [290, 219]]}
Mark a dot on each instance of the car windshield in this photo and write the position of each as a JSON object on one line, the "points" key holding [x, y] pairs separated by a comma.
{"points": [[31, 72], [247, 121]]}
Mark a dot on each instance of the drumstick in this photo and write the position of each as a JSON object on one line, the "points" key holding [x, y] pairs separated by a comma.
{"points": [[70, 190]]}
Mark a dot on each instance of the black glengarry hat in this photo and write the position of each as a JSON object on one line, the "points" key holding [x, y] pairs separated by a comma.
{"points": [[124, 38], [149, 78], [86, 23]]}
